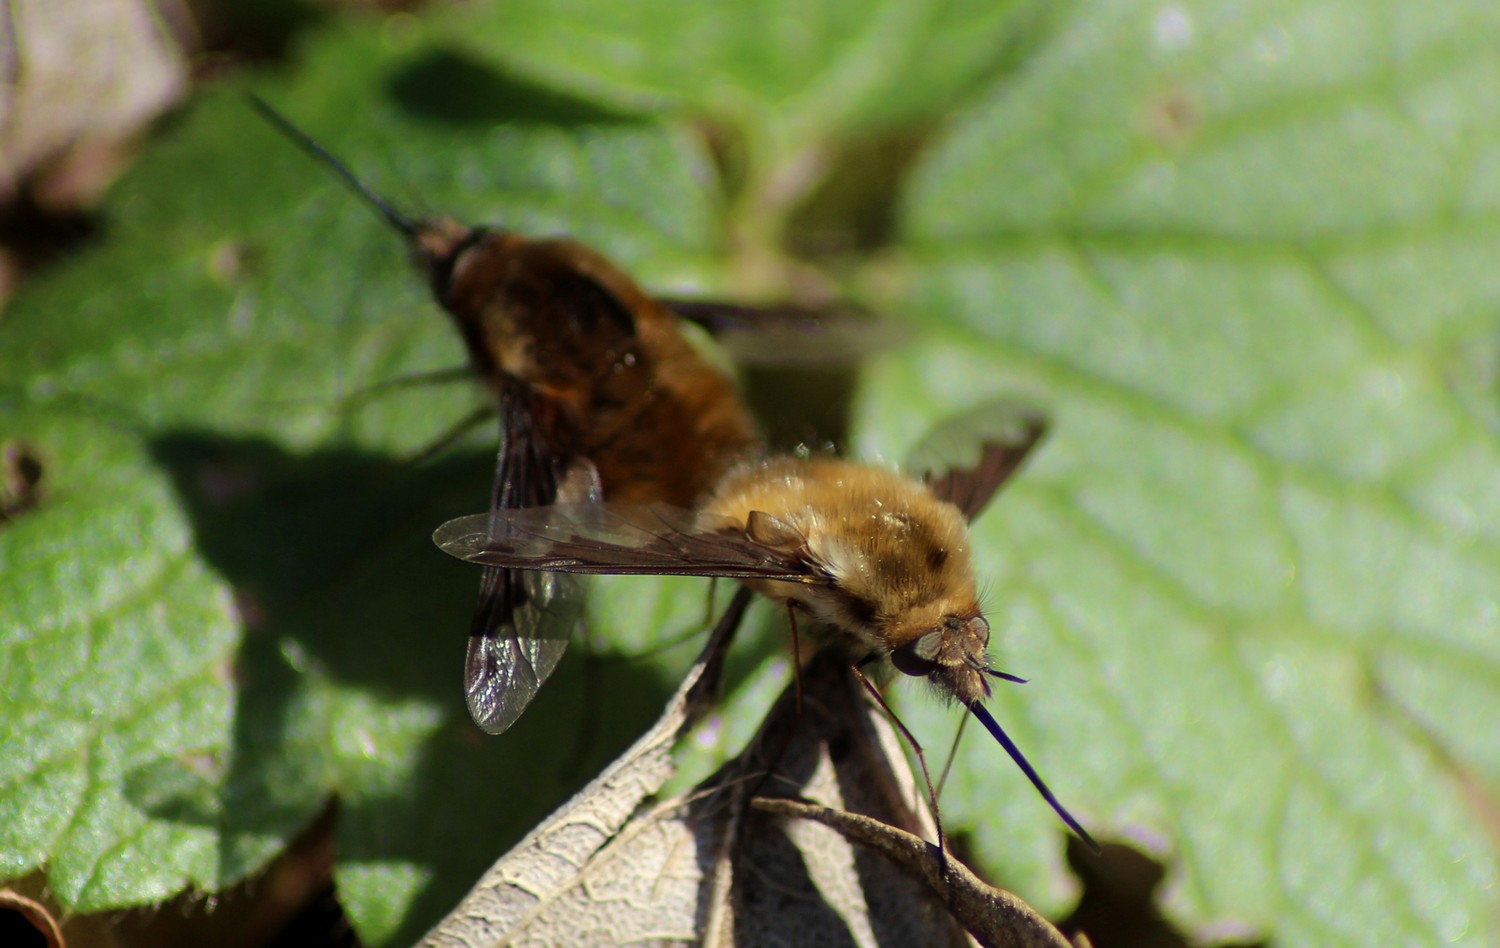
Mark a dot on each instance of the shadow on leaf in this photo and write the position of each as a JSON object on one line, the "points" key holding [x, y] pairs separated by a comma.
{"points": [[349, 672], [456, 88]]}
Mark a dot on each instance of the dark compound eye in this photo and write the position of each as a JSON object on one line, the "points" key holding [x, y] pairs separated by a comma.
{"points": [[980, 626], [919, 658]]}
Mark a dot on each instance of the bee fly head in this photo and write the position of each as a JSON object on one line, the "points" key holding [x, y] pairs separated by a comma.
{"points": [[952, 656]]}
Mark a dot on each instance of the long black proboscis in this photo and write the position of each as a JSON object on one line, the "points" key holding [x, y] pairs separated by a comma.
{"points": [[979, 711], [306, 142]]}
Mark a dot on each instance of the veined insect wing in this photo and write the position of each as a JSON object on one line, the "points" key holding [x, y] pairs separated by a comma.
{"points": [[524, 619], [614, 539], [522, 628], [788, 334], [966, 461], [968, 458]]}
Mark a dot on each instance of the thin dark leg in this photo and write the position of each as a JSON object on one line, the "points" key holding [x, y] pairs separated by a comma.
{"points": [[937, 818], [952, 755], [451, 437], [791, 618]]}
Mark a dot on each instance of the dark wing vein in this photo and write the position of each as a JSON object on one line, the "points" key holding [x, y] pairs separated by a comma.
{"points": [[523, 621], [789, 333], [604, 538], [1003, 435]]}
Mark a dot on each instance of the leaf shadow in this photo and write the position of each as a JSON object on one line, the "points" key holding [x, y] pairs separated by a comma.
{"points": [[349, 673], [454, 87]]}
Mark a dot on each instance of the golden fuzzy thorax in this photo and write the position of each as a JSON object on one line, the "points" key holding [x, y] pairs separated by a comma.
{"points": [[899, 557]]}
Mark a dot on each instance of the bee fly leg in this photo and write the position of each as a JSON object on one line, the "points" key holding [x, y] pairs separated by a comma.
{"points": [[708, 612], [365, 394], [952, 754], [673, 639], [791, 619], [786, 741], [452, 436], [354, 402], [713, 589], [937, 818]]}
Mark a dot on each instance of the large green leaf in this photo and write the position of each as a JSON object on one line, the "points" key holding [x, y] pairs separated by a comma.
{"points": [[1245, 257], [809, 72], [104, 706]]}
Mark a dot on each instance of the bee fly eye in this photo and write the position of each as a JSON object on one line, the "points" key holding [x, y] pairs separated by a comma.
{"points": [[970, 635], [919, 658]]}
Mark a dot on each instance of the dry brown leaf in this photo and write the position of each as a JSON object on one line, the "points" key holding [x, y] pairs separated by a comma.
{"points": [[708, 868], [798, 882], [77, 79], [993, 916], [532, 882]]}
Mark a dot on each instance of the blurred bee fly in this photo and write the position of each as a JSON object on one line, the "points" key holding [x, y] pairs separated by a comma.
{"points": [[600, 397]]}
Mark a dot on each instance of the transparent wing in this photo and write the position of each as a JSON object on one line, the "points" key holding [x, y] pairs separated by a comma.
{"points": [[523, 621], [607, 538], [521, 642], [790, 334], [967, 459]]}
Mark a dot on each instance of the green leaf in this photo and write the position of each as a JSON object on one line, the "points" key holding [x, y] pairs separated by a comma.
{"points": [[226, 609], [811, 72], [821, 99], [1252, 575], [107, 716]]}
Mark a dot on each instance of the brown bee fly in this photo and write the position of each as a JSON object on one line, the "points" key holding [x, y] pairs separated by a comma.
{"points": [[880, 558], [599, 396]]}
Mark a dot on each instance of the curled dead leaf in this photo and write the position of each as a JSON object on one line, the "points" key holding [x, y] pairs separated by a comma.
{"points": [[710, 867], [85, 77], [993, 916]]}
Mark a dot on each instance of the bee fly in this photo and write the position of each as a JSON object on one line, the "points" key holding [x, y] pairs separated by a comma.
{"points": [[881, 559], [600, 397]]}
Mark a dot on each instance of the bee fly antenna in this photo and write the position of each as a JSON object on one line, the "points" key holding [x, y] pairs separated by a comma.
{"points": [[305, 141], [979, 711]]}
